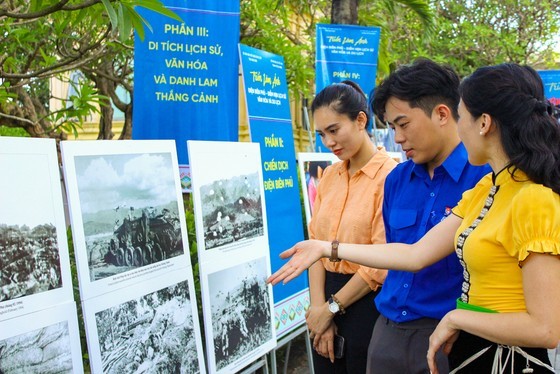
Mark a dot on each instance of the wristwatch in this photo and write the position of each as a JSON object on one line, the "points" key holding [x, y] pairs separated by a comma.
{"points": [[335, 307]]}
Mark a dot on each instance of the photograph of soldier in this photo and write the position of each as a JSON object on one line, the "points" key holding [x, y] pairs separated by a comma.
{"points": [[143, 335], [241, 315], [29, 260], [45, 350], [130, 211], [231, 210]]}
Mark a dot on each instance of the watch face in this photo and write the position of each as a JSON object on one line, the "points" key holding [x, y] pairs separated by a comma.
{"points": [[333, 307]]}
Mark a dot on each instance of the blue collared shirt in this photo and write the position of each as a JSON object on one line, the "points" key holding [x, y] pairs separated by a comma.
{"points": [[413, 204]]}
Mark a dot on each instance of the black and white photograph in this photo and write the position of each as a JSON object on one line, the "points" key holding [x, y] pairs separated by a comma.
{"points": [[29, 260], [125, 207], [157, 332], [34, 260], [228, 198], [143, 335], [231, 210], [129, 211], [41, 342], [50, 344], [241, 311]]}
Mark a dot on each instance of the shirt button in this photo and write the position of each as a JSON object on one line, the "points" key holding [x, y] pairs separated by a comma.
{"points": [[432, 194], [405, 285], [404, 313]]}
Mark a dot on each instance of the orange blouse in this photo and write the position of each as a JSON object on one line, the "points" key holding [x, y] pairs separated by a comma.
{"points": [[349, 209]]}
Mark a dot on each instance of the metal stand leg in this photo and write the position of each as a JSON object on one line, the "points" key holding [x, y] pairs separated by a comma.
{"points": [[309, 352], [287, 340], [273, 361], [287, 360]]}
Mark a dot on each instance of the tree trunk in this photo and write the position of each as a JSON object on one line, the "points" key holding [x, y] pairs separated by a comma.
{"points": [[344, 12], [107, 79], [106, 119], [106, 122], [127, 127]]}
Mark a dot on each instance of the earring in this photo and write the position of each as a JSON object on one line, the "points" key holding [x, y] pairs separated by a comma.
{"points": [[481, 133]]}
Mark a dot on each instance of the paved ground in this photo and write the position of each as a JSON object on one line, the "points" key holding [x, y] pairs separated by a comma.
{"points": [[297, 359]]}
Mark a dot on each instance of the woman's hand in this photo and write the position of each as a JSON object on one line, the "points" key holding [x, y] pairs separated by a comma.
{"points": [[303, 255], [443, 338], [318, 319], [324, 343]]}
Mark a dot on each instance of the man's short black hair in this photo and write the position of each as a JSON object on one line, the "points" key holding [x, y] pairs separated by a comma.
{"points": [[423, 84]]}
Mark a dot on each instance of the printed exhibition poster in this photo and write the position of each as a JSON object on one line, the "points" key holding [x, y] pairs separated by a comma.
{"points": [[34, 259], [47, 341], [270, 125], [152, 328], [126, 209], [551, 83], [346, 52], [187, 72], [233, 253]]}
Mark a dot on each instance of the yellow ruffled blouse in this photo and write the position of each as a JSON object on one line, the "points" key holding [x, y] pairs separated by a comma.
{"points": [[505, 218]]}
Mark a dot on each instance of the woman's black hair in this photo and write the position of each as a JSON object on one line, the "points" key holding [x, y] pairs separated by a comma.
{"points": [[513, 96], [345, 98]]}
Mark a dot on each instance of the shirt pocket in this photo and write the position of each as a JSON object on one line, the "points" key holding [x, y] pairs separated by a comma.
{"points": [[402, 218]]}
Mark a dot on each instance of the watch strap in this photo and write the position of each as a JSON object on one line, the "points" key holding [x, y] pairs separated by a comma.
{"points": [[334, 251]]}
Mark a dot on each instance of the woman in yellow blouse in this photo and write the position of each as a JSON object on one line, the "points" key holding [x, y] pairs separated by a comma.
{"points": [[347, 208], [505, 231]]}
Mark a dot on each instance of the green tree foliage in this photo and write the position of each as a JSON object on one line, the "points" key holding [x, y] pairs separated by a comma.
{"points": [[471, 34], [285, 28], [47, 38], [41, 39]]}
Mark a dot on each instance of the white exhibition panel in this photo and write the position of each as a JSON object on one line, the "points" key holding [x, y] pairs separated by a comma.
{"points": [[126, 210], [233, 253], [152, 327], [34, 259], [47, 341]]}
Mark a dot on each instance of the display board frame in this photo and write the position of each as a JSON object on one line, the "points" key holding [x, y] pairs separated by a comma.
{"points": [[136, 184], [233, 253], [163, 313], [34, 246], [306, 160], [50, 331]]}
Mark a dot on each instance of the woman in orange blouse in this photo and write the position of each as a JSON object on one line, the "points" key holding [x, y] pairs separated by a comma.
{"points": [[348, 209]]}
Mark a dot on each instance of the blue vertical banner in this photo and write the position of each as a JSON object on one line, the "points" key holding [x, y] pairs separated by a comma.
{"points": [[270, 125], [185, 74], [345, 52], [551, 81]]}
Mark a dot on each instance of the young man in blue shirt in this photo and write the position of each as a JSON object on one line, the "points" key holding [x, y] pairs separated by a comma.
{"points": [[419, 101]]}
